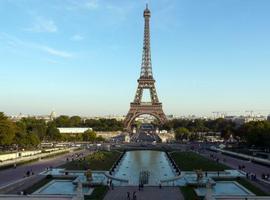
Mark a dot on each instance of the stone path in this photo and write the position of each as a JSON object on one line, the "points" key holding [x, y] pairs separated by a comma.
{"points": [[10, 175], [148, 193]]}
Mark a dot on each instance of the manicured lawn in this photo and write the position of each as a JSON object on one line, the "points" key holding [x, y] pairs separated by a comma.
{"points": [[247, 184], [251, 187], [188, 161], [188, 193], [98, 193], [101, 160]]}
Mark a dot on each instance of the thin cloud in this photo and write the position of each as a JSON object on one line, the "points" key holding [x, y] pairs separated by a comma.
{"points": [[18, 44], [43, 25], [55, 52], [77, 37], [83, 4]]}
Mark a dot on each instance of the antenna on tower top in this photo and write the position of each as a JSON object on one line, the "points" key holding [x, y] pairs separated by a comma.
{"points": [[146, 5]]}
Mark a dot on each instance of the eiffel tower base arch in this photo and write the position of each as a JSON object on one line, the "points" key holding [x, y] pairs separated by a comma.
{"points": [[140, 109]]}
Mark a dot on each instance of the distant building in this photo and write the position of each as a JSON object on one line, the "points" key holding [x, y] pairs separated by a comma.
{"points": [[73, 130], [245, 119], [53, 115], [268, 118]]}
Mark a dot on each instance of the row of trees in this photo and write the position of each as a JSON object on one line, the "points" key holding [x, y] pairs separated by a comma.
{"points": [[226, 127], [96, 124], [29, 132], [256, 133]]}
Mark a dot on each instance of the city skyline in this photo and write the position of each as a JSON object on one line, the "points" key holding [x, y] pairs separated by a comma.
{"points": [[84, 57]]}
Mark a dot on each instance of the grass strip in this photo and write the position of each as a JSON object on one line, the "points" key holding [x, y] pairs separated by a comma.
{"points": [[189, 161], [101, 160], [98, 193]]}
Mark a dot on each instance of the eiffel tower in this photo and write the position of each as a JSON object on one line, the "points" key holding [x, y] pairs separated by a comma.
{"points": [[146, 81]]}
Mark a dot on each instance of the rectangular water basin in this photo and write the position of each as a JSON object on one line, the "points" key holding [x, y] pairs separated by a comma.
{"points": [[65, 187], [225, 188]]}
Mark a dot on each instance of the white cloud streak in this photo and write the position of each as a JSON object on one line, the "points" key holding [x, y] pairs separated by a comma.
{"points": [[17, 43], [83, 4], [55, 52]]}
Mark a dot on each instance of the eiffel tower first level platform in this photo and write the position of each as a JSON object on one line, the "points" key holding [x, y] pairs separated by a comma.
{"points": [[145, 82]]}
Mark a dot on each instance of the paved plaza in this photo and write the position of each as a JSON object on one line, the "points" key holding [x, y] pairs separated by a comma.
{"points": [[148, 193], [10, 175]]}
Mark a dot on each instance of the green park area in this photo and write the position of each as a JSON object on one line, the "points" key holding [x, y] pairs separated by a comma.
{"points": [[189, 161], [98, 193], [101, 160]]}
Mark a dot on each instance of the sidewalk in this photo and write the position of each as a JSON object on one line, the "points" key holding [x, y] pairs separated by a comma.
{"points": [[33, 157], [11, 175], [148, 193]]}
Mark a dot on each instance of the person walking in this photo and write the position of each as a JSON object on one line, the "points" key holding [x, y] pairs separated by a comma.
{"points": [[134, 197], [128, 195]]}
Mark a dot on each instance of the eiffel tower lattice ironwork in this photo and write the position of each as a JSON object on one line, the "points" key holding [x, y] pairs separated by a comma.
{"points": [[146, 81]]}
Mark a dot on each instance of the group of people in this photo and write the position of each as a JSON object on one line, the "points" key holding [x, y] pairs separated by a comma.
{"points": [[251, 176], [134, 196], [141, 186], [29, 173], [110, 184], [76, 156], [241, 167]]}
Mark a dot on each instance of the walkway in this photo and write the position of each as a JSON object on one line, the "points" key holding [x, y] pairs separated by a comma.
{"points": [[10, 175], [148, 193], [249, 167]]}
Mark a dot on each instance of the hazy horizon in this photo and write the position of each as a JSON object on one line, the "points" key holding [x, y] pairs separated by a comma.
{"points": [[83, 57]]}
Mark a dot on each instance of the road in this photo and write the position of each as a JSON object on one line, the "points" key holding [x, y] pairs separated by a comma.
{"points": [[10, 175]]}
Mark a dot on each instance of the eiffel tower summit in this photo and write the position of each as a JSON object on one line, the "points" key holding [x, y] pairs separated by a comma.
{"points": [[146, 81]]}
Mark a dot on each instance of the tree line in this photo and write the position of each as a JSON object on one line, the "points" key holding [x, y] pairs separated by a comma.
{"points": [[96, 124], [29, 132], [255, 133]]}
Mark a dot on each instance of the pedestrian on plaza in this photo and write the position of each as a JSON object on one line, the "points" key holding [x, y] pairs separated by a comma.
{"points": [[28, 173], [112, 186], [206, 174], [15, 166], [134, 195], [128, 196], [218, 173]]}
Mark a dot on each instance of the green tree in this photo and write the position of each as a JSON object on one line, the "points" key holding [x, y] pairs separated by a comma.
{"points": [[7, 130], [62, 121], [53, 133], [89, 136], [75, 121], [182, 133]]}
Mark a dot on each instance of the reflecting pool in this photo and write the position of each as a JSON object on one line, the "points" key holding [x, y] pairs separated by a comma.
{"points": [[152, 164], [61, 187], [225, 188]]}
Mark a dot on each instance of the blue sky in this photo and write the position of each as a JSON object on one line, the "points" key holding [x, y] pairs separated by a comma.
{"points": [[83, 56]]}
